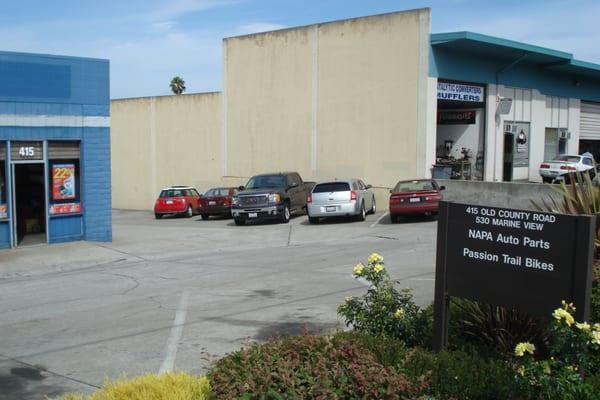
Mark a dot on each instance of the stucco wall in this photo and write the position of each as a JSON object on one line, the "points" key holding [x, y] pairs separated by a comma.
{"points": [[329, 100], [162, 141], [339, 99]]}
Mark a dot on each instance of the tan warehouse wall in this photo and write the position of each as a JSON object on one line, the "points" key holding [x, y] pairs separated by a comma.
{"points": [[339, 99], [162, 141], [333, 99]]}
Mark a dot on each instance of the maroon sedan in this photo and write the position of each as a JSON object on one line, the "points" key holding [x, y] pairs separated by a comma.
{"points": [[217, 201], [415, 197]]}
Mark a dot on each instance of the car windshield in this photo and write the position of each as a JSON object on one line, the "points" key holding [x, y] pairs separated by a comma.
{"points": [[217, 192], [267, 181], [415, 186], [172, 193], [567, 158], [332, 187]]}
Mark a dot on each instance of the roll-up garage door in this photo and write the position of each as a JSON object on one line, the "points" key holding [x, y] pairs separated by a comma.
{"points": [[63, 150], [590, 121]]}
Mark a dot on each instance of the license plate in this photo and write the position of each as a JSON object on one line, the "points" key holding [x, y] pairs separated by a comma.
{"points": [[212, 203], [169, 202], [414, 200], [330, 208], [252, 215]]}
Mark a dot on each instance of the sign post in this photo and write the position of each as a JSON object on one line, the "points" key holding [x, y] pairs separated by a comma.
{"points": [[519, 259]]}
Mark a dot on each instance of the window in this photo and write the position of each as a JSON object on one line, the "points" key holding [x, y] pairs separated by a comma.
{"points": [[587, 161], [332, 187], [63, 162], [413, 186], [266, 181], [172, 193], [218, 192], [3, 207], [551, 149]]}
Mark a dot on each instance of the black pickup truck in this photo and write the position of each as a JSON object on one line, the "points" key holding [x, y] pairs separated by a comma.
{"points": [[270, 196]]}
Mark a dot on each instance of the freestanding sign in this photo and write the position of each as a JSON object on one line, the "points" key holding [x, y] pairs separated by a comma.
{"points": [[521, 259]]}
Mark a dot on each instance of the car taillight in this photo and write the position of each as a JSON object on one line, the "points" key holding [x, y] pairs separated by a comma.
{"points": [[545, 166], [353, 196], [309, 198], [395, 200], [226, 202], [568, 167]]}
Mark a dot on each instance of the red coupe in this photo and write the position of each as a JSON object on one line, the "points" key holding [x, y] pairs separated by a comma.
{"points": [[415, 197], [217, 201], [183, 200]]}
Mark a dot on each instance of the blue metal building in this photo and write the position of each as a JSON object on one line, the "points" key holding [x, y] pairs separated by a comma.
{"points": [[503, 108], [54, 149]]}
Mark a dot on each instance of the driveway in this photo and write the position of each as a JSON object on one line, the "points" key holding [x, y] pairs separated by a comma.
{"points": [[179, 293]]}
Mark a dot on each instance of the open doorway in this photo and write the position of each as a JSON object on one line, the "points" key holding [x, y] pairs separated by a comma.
{"points": [[30, 204], [460, 131]]}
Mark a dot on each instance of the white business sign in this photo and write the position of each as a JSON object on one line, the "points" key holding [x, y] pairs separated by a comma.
{"points": [[459, 92]]}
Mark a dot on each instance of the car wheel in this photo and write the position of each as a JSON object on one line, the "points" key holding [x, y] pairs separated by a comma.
{"points": [[157, 216], [285, 215], [189, 212], [239, 222], [374, 207], [313, 220], [204, 217], [393, 218], [363, 213]]}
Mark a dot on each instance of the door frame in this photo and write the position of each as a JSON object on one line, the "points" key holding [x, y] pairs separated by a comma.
{"points": [[13, 194]]}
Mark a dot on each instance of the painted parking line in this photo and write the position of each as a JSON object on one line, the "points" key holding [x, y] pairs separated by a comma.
{"points": [[378, 220], [175, 335]]}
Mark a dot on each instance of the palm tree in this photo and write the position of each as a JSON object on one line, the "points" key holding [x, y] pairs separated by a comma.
{"points": [[177, 85]]}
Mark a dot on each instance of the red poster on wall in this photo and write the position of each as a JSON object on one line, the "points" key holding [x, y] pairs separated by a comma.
{"points": [[63, 181]]}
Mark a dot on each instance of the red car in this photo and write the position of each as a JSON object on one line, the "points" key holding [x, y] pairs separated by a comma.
{"points": [[217, 201], [415, 197], [182, 200]]}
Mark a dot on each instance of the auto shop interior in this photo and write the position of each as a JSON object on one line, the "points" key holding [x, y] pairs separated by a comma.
{"points": [[460, 147], [54, 150]]}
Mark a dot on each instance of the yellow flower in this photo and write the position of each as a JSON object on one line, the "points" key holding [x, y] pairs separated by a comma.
{"points": [[597, 327], [596, 337], [584, 326], [375, 258], [359, 269], [521, 370], [547, 369], [568, 307], [560, 314], [349, 299], [399, 313], [378, 268], [524, 347]]}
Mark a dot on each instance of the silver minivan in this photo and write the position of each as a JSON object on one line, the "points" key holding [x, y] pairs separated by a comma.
{"points": [[340, 197]]}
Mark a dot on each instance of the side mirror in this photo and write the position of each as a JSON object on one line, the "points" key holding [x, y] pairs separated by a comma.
{"points": [[240, 188], [369, 186], [442, 187], [391, 191]]}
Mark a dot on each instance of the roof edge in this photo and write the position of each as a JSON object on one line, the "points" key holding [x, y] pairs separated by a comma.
{"points": [[436, 38]]}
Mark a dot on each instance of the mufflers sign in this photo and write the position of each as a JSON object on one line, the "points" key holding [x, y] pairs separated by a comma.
{"points": [[520, 259], [460, 92]]}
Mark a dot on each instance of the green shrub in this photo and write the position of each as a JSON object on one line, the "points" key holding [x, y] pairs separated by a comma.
{"points": [[311, 367], [170, 386], [461, 375], [595, 296], [384, 310], [494, 330], [574, 350]]}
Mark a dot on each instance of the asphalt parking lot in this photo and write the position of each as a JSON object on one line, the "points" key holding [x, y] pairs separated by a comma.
{"points": [[179, 293]]}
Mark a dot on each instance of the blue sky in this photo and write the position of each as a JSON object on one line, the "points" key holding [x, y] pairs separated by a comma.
{"points": [[150, 41]]}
